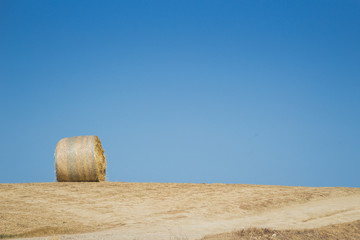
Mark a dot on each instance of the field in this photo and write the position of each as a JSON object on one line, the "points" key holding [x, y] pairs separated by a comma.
{"points": [[174, 211]]}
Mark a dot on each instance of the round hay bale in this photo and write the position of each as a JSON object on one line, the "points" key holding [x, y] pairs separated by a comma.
{"points": [[80, 159]]}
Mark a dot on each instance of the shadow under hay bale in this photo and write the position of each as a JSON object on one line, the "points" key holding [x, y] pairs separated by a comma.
{"points": [[80, 159]]}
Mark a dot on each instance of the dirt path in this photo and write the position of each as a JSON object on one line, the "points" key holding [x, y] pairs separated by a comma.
{"points": [[309, 215], [167, 211]]}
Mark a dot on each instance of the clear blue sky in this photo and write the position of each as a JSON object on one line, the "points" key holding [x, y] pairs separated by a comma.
{"points": [[257, 92]]}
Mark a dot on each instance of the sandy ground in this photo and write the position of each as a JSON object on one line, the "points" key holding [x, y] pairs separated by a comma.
{"points": [[129, 211]]}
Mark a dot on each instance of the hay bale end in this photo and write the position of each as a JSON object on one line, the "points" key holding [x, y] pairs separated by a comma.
{"points": [[80, 159]]}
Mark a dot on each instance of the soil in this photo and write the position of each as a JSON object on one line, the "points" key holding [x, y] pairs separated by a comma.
{"points": [[128, 211]]}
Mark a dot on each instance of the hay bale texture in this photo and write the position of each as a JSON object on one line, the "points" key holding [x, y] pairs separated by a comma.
{"points": [[80, 159]]}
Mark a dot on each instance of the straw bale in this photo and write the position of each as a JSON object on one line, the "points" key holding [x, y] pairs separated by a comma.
{"points": [[80, 159]]}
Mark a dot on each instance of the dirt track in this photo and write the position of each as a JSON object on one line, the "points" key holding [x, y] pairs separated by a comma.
{"points": [[111, 210]]}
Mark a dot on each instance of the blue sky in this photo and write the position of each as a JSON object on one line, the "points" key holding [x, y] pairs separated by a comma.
{"points": [[255, 92]]}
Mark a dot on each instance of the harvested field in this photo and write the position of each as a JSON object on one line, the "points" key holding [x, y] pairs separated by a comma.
{"points": [[112, 210], [331, 232]]}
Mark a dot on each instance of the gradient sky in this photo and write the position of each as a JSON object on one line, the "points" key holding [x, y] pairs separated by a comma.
{"points": [[255, 92]]}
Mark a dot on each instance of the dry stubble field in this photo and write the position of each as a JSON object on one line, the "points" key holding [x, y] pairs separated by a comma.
{"points": [[114, 210]]}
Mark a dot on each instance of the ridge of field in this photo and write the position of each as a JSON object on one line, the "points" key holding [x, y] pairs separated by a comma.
{"points": [[349, 231], [108, 210]]}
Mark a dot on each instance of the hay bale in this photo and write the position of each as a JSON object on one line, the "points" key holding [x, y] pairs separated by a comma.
{"points": [[80, 159]]}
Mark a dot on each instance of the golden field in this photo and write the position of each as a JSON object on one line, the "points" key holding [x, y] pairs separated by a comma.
{"points": [[177, 211]]}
